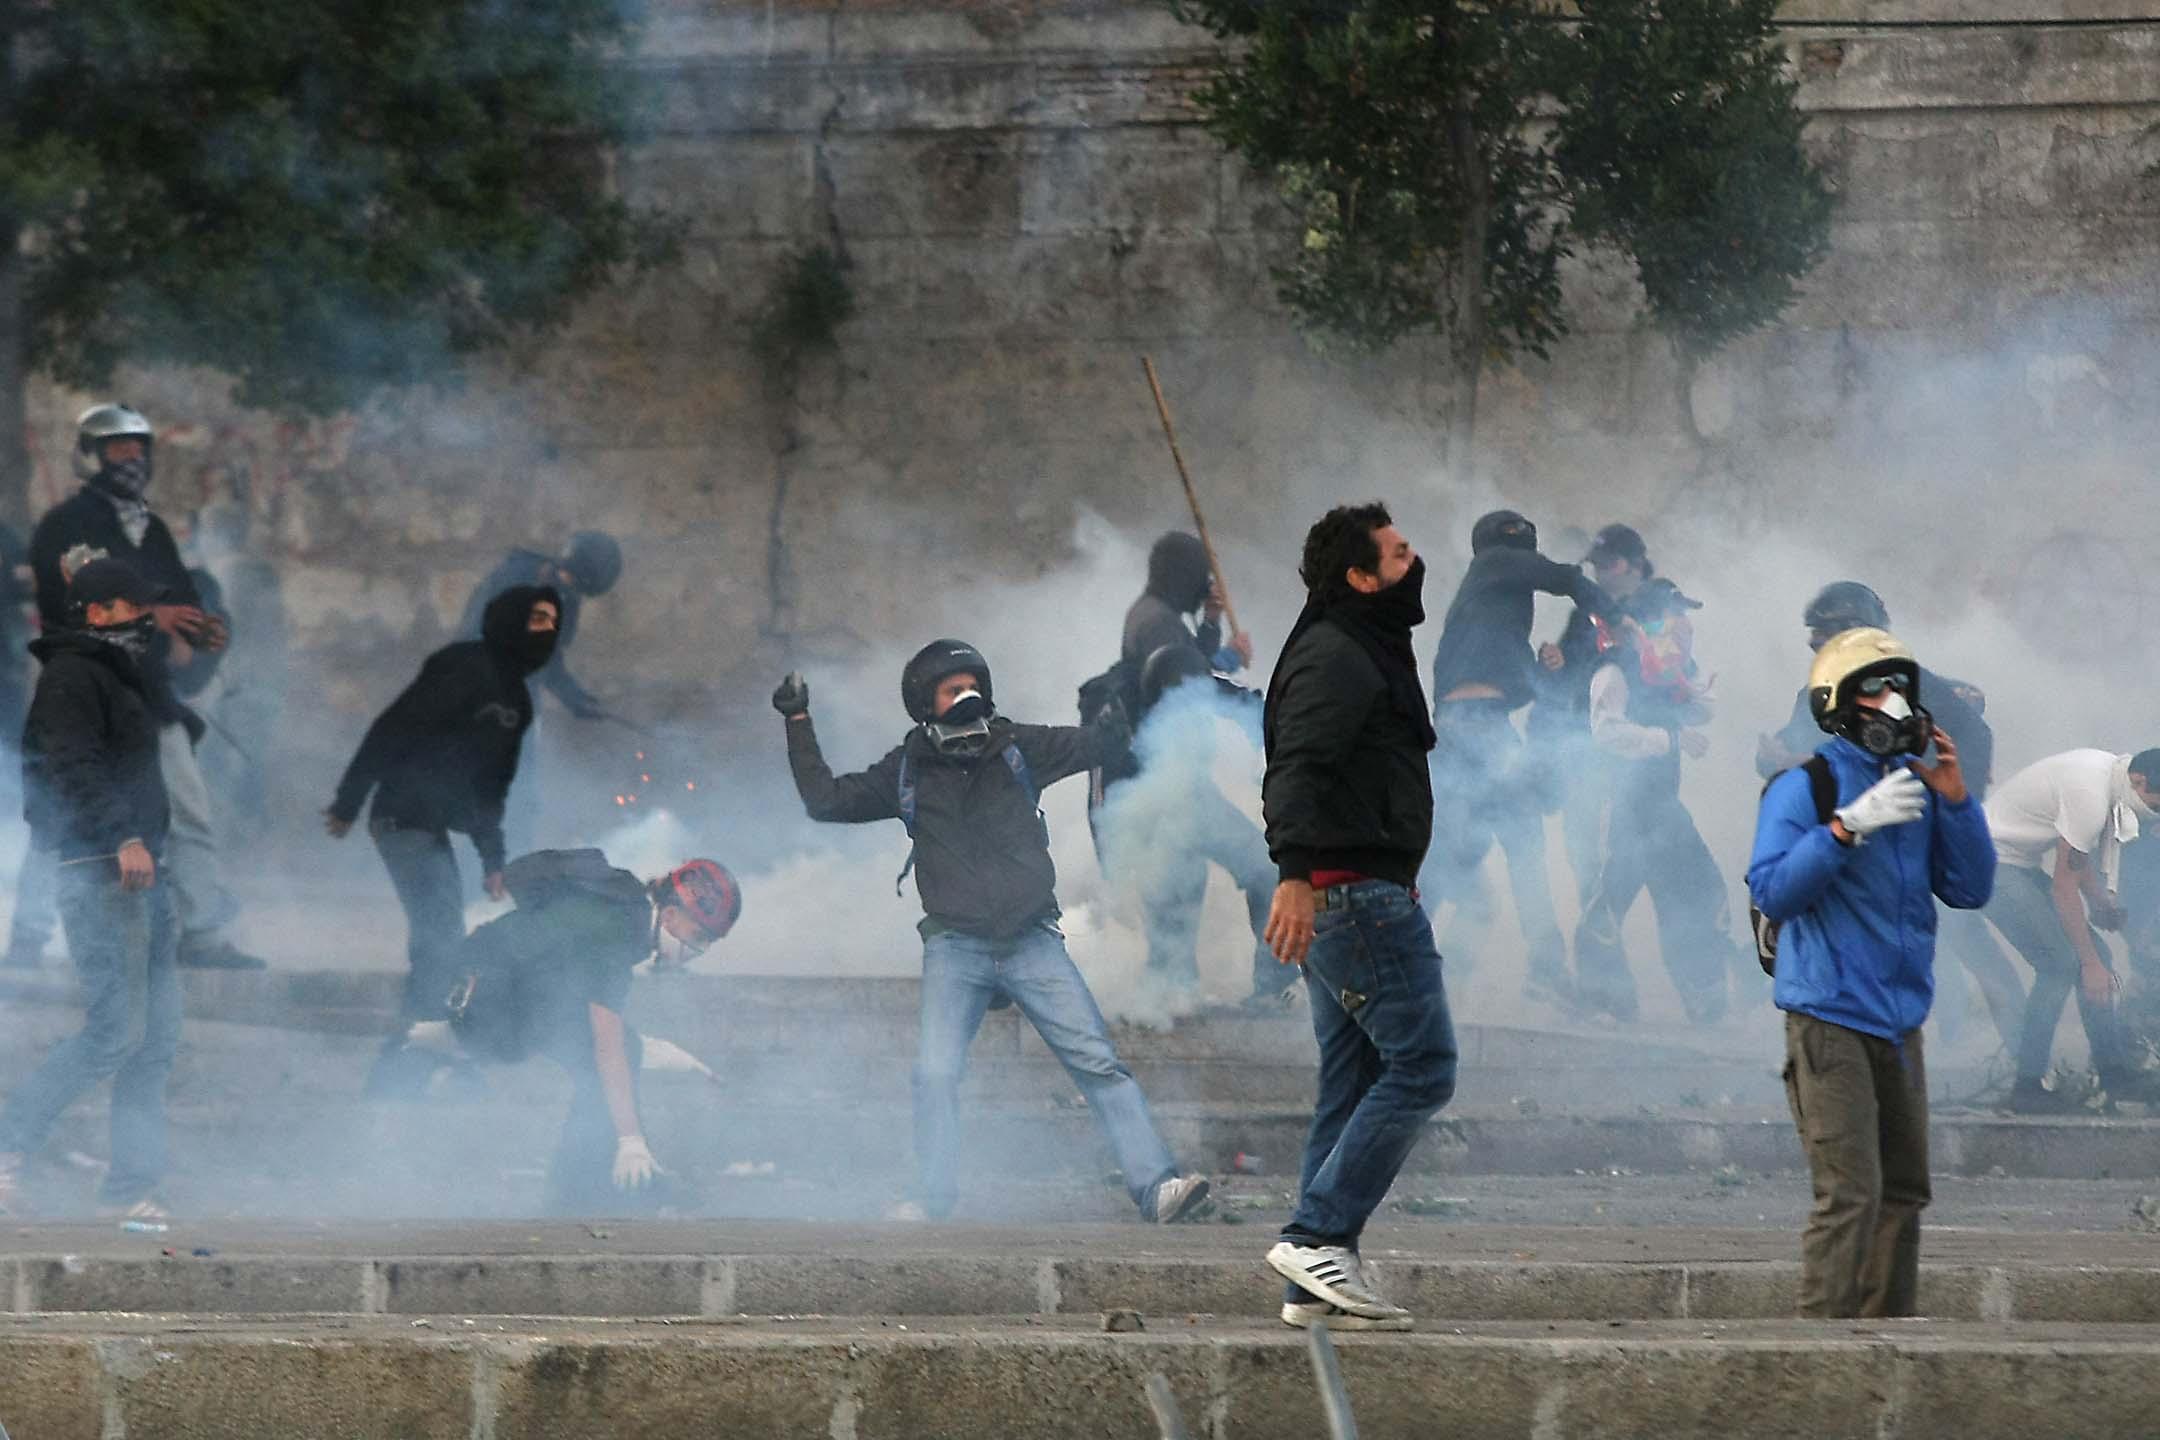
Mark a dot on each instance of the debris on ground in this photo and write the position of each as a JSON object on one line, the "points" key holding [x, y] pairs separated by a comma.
{"points": [[1122, 1322], [2145, 1210], [1433, 1205], [1729, 1177], [1244, 1164]]}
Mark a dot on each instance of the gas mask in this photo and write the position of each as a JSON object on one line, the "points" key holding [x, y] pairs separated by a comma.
{"points": [[131, 638], [1898, 728], [964, 728]]}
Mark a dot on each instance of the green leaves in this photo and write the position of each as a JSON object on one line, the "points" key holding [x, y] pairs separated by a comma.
{"points": [[321, 198], [1441, 158]]}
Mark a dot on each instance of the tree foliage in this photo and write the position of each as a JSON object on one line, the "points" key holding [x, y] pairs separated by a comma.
{"points": [[320, 197], [1442, 158]]}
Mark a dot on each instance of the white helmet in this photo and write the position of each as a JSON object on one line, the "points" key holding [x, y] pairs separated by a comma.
{"points": [[105, 422]]}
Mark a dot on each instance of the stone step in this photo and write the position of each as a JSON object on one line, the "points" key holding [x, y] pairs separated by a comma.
{"points": [[381, 1378], [881, 1282]]}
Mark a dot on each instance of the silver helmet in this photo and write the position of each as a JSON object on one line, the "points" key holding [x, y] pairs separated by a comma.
{"points": [[105, 422]]}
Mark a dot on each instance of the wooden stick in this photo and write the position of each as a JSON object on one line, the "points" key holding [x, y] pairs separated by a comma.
{"points": [[1192, 496]]}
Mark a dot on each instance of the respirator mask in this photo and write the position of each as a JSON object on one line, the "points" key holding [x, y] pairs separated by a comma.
{"points": [[1898, 728], [964, 728]]}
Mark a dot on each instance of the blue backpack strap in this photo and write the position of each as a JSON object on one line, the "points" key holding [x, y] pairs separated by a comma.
{"points": [[1014, 761]]}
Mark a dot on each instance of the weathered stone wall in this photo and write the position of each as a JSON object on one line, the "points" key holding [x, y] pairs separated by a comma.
{"points": [[1027, 205]]}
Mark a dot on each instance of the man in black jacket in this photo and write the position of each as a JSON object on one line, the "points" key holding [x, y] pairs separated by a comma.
{"points": [[1349, 811], [1482, 673], [95, 799], [1179, 582], [111, 516], [965, 782], [441, 758]]}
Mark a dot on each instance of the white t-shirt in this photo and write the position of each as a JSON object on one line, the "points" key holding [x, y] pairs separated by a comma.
{"points": [[2069, 797]]}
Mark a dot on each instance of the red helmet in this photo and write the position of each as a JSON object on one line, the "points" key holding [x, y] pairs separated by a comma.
{"points": [[706, 892]]}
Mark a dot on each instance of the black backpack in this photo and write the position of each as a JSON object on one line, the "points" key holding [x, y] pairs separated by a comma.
{"points": [[1823, 785]]}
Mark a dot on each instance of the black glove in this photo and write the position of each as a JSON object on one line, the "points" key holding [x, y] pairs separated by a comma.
{"points": [[792, 698]]}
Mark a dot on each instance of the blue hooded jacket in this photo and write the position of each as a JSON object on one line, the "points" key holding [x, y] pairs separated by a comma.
{"points": [[1857, 947]]}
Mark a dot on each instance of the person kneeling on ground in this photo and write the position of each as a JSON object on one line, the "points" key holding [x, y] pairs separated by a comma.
{"points": [[965, 782], [1850, 891], [552, 978]]}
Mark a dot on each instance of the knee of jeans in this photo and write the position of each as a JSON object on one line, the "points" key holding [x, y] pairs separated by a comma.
{"points": [[1095, 1062], [1430, 1083]]}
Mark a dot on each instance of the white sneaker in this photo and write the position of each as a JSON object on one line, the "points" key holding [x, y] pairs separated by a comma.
{"points": [[1308, 1314], [1333, 1273], [1178, 1197]]}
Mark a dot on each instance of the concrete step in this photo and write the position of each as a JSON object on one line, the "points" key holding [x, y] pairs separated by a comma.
{"points": [[82, 1378]]}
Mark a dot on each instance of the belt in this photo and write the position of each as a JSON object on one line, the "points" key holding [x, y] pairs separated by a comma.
{"points": [[1337, 897]]}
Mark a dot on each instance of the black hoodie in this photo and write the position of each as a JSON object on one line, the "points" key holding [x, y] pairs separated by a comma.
{"points": [[1177, 585], [445, 751], [91, 778]]}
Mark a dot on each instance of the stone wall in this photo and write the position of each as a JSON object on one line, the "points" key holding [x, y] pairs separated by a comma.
{"points": [[1027, 205]]}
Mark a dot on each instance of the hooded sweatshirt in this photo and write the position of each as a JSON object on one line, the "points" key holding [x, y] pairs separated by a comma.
{"points": [[1177, 585], [441, 758], [525, 567], [91, 777]]}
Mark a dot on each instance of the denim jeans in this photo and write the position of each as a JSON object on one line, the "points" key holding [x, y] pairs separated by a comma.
{"points": [[2023, 909], [190, 865], [962, 974], [424, 872], [124, 945], [1483, 792], [1173, 887], [1387, 1054]]}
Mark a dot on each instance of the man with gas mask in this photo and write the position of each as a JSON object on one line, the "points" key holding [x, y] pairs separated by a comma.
{"points": [[965, 782], [111, 516], [441, 758], [587, 567], [1852, 850], [1483, 672], [1959, 710], [1161, 830], [2062, 825], [1349, 812], [96, 801], [552, 977], [1647, 704]]}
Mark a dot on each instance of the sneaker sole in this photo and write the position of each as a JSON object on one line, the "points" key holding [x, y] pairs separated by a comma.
{"points": [[1279, 1259], [1333, 1317], [1186, 1207]]}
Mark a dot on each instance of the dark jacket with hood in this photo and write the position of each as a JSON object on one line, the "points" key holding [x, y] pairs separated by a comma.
{"points": [[1177, 585], [982, 856], [524, 567], [88, 518], [1485, 639], [442, 756], [91, 778], [1347, 785]]}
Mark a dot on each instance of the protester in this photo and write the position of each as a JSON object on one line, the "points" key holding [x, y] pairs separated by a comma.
{"points": [[1482, 673], [2061, 825], [96, 801], [440, 759], [111, 516], [964, 782], [553, 978], [1647, 704], [1851, 892], [1349, 813]]}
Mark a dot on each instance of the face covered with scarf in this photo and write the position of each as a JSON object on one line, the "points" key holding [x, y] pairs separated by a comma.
{"points": [[124, 466]]}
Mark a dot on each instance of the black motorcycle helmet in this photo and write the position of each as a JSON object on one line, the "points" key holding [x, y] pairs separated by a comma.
{"points": [[1502, 527], [940, 658], [1845, 605], [594, 561]]}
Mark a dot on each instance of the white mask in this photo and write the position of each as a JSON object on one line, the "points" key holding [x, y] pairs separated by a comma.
{"points": [[1896, 706]]}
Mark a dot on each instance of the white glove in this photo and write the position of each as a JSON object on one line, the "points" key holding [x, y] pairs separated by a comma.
{"points": [[1897, 799], [634, 1165]]}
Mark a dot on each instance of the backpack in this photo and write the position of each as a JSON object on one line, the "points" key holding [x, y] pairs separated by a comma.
{"points": [[1823, 785], [1120, 685], [1014, 761]]}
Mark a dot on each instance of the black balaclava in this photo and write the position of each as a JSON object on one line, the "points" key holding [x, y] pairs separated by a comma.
{"points": [[1178, 572], [503, 626]]}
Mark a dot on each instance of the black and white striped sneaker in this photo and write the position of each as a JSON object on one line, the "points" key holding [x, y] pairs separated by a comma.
{"points": [[1333, 1273], [1178, 1198], [1308, 1314]]}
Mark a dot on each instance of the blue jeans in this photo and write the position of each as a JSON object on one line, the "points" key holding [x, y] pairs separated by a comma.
{"points": [[125, 946], [962, 974], [1387, 1054]]}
